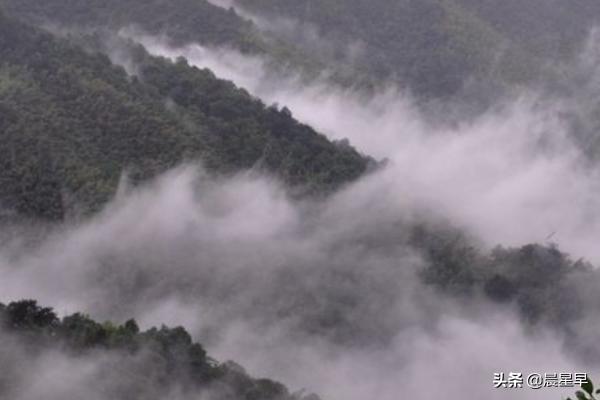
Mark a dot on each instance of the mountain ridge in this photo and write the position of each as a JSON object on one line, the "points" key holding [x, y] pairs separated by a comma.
{"points": [[89, 121]]}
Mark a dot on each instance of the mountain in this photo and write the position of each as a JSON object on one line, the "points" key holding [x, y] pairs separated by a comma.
{"points": [[128, 363], [551, 29], [439, 47], [181, 21], [430, 46], [436, 48], [72, 123]]}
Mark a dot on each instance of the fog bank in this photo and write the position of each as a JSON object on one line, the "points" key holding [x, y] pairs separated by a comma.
{"points": [[513, 175], [322, 295]]}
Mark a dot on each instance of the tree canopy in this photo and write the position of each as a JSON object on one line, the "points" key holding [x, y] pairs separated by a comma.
{"points": [[72, 122], [166, 355]]}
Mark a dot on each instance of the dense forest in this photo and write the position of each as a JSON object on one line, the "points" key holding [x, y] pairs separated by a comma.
{"points": [[72, 123], [180, 21], [344, 276], [157, 362], [441, 47], [545, 285], [465, 54], [436, 48], [432, 47]]}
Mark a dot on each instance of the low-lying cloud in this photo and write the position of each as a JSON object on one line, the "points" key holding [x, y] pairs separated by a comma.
{"points": [[325, 294], [513, 175]]}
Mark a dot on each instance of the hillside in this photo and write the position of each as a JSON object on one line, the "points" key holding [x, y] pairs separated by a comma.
{"points": [[72, 123], [181, 21], [438, 47], [431, 46], [473, 245], [157, 363], [551, 29]]}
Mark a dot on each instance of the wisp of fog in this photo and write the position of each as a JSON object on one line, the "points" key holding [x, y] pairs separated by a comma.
{"points": [[325, 294], [513, 175]]}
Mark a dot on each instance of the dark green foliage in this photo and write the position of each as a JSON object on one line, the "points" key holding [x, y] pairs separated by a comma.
{"points": [[432, 46], [542, 284], [27, 315], [588, 391], [182, 20], [540, 281], [435, 47], [588, 387], [448, 47], [452, 261], [265, 389], [499, 288], [176, 361], [548, 28], [72, 123], [246, 132], [81, 332]]}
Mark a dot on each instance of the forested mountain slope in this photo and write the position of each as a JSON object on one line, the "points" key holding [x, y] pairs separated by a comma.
{"points": [[128, 364], [369, 272], [551, 29], [181, 21], [436, 47], [433, 47], [72, 122]]}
